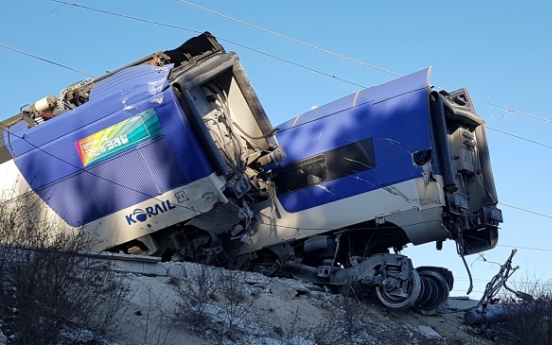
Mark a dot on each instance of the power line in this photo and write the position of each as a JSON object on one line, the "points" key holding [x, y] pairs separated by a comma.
{"points": [[87, 74], [340, 56], [518, 137], [218, 37], [458, 290], [275, 57], [257, 51], [127, 17], [260, 222], [510, 110], [480, 280], [46, 60], [292, 39], [528, 211], [182, 28], [526, 248], [77, 71]]}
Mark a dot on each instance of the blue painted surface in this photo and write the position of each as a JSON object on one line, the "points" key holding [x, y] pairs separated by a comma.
{"points": [[125, 180], [48, 160], [372, 95], [396, 116], [111, 99], [132, 84]]}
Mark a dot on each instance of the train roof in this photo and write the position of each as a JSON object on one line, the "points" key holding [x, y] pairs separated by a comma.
{"points": [[375, 94]]}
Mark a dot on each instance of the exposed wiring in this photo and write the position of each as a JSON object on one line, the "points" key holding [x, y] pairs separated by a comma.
{"points": [[482, 258], [470, 288], [498, 282]]}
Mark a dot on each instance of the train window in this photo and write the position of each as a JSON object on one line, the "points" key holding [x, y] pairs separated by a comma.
{"points": [[301, 174], [351, 159], [327, 166]]}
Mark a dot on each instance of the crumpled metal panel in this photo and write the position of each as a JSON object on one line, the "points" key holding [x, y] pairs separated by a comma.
{"points": [[132, 85]]}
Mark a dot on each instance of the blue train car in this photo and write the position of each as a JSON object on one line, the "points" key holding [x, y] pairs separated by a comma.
{"points": [[173, 155], [398, 153], [150, 146]]}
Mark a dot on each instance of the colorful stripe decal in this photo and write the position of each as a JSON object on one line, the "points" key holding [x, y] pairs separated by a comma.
{"points": [[119, 137]]}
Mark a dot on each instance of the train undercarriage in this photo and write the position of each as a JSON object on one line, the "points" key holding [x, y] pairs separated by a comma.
{"points": [[356, 257]]}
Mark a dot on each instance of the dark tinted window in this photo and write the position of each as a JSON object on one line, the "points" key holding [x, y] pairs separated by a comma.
{"points": [[327, 166]]}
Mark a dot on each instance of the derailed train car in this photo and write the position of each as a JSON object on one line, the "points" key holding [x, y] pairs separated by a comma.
{"points": [[173, 155]]}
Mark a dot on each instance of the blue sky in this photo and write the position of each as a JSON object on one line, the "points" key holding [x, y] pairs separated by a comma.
{"points": [[501, 51]]}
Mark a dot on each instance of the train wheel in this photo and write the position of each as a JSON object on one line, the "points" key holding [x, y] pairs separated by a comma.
{"points": [[398, 294], [267, 265], [442, 271], [434, 290]]}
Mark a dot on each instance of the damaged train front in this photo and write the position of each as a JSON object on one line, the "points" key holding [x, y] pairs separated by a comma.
{"points": [[470, 215], [237, 137]]}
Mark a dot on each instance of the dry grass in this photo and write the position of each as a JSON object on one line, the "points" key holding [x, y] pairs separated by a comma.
{"points": [[46, 283]]}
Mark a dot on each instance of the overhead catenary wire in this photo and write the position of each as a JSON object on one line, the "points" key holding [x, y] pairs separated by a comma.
{"points": [[511, 110], [292, 39], [502, 132], [519, 137], [260, 222], [218, 37], [527, 210], [46, 60], [90, 75], [526, 248], [522, 283], [191, 209]]}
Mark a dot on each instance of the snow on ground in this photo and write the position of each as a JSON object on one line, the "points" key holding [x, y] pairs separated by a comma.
{"points": [[248, 308], [216, 306]]}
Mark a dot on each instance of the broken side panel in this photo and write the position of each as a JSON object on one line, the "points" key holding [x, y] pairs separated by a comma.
{"points": [[218, 98]]}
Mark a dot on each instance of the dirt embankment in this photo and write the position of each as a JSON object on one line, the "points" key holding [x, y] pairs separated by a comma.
{"points": [[212, 306]]}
